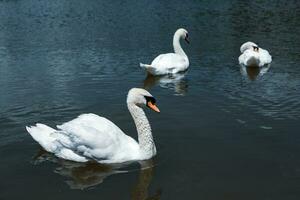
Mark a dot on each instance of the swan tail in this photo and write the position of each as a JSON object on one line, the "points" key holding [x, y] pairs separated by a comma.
{"points": [[42, 134], [145, 66], [53, 143], [149, 68]]}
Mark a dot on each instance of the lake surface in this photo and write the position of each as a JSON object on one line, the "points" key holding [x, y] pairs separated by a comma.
{"points": [[224, 131]]}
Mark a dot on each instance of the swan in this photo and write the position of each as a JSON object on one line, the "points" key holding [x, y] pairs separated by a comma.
{"points": [[170, 63], [254, 56], [91, 137]]}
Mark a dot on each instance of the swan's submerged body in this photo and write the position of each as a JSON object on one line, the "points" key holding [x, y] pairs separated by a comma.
{"points": [[254, 56], [91, 137], [170, 63]]}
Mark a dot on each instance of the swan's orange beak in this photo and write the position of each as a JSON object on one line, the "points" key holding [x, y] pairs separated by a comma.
{"points": [[153, 106]]}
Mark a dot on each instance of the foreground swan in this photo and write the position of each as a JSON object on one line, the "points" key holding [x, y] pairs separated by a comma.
{"points": [[254, 56], [91, 137], [170, 63]]}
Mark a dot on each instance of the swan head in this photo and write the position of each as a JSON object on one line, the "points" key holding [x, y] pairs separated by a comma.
{"points": [[141, 98], [255, 48], [182, 33], [248, 45]]}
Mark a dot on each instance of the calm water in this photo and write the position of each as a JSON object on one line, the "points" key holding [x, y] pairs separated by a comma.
{"points": [[224, 132]]}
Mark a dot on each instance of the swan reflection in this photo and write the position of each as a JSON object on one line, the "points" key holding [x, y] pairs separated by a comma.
{"points": [[176, 82], [89, 174], [253, 72], [140, 191]]}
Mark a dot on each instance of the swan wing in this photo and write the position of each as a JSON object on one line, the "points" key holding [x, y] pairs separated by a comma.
{"points": [[53, 141], [265, 57], [98, 138], [90, 129], [169, 63], [87, 137]]}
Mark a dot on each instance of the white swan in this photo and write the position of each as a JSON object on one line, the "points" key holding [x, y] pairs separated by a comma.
{"points": [[254, 56], [170, 63], [91, 137]]}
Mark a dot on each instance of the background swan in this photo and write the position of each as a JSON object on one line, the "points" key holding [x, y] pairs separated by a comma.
{"points": [[171, 62], [91, 137], [254, 56]]}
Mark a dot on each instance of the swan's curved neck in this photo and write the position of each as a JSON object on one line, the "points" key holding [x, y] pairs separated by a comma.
{"points": [[177, 46], [145, 138]]}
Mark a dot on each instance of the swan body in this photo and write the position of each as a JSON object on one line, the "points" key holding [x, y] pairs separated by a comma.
{"points": [[91, 137], [170, 63], [254, 56]]}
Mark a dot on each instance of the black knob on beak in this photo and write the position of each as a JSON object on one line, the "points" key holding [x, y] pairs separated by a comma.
{"points": [[186, 38]]}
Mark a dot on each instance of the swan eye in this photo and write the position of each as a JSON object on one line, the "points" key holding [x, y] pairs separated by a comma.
{"points": [[150, 99], [186, 35]]}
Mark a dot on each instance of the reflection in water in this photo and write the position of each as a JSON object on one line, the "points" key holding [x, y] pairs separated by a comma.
{"points": [[176, 82], [140, 191], [253, 72], [82, 175], [86, 175], [62, 58]]}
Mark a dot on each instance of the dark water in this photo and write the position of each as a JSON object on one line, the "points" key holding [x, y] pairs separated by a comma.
{"points": [[224, 132]]}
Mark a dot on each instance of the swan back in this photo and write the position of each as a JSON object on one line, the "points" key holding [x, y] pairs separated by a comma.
{"points": [[247, 45]]}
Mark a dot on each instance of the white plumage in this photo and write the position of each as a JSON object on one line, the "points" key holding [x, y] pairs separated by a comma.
{"points": [[254, 56], [91, 137], [170, 63]]}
